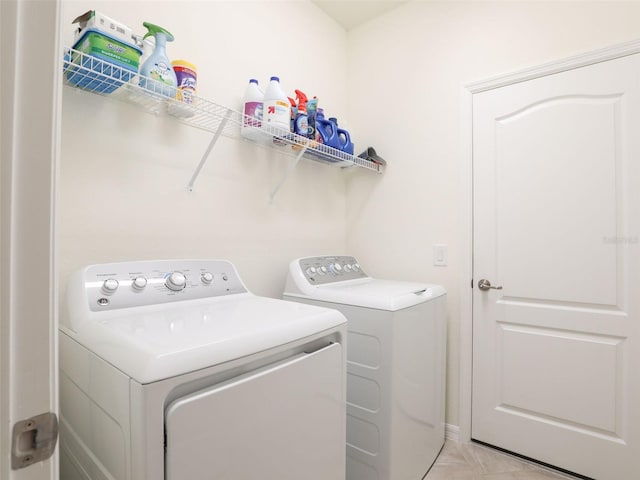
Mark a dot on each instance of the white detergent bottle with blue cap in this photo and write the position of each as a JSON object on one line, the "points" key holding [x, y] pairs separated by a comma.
{"points": [[252, 112], [156, 72], [276, 113]]}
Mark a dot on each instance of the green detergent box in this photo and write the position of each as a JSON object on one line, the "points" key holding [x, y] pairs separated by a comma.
{"points": [[100, 62]]}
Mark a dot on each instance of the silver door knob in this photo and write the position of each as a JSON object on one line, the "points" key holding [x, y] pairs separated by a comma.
{"points": [[484, 284]]}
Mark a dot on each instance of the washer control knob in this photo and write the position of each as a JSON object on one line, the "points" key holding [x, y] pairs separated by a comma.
{"points": [[322, 270], [139, 283], [176, 281], [206, 278], [356, 267], [347, 268], [336, 268], [311, 271], [110, 285]]}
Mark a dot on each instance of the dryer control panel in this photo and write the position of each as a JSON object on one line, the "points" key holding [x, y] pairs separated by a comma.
{"points": [[330, 269], [132, 284]]}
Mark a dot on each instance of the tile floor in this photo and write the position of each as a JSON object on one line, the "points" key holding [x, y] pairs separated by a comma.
{"points": [[476, 462]]}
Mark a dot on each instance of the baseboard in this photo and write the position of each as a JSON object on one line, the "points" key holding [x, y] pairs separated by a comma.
{"points": [[452, 432]]}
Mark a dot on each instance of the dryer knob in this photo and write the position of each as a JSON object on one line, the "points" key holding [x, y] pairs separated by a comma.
{"points": [[139, 283], [110, 285], [176, 281], [206, 278]]}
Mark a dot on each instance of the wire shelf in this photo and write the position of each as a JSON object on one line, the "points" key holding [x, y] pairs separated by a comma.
{"points": [[92, 74]]}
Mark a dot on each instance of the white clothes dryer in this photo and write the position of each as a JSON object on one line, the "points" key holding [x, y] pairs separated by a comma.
{"points": [[395, 364], [172, 370]]}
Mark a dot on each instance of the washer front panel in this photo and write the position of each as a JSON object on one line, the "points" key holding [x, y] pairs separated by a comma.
{"points": [[132, 284]]}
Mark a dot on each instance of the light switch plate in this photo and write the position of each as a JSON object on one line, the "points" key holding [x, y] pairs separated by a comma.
{"points": [[440, 255]]}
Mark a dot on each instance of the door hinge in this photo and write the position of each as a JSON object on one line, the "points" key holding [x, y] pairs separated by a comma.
{"points": [[33, 440]]}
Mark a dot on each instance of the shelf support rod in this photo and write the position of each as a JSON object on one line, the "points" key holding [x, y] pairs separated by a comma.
{"points": [[288, 172], [216, 136]]}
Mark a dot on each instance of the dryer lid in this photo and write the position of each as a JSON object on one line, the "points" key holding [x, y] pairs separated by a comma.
{"points": [[163, 341], [374, 293]]}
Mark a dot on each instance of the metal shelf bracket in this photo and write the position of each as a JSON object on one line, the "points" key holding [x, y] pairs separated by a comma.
{"points": [[288, 172], [212, 143]]}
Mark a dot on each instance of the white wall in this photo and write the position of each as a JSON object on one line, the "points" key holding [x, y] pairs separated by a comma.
{"points": [[124, 174], [396, 82], [406, 72]]}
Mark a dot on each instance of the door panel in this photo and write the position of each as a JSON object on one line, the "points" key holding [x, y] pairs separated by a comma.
{"points": [[588, 400], [556, 224], [565, 183]]}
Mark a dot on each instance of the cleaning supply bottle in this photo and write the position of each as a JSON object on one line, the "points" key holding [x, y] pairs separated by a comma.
{"points": [[294, 112], [252, 110], [277, 110], [344, 139], [312, 107], [326, 130], [301, 122], [146, 45], [157, 73], [187, 80]]}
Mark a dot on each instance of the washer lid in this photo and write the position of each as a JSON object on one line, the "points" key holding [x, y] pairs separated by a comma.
{"points": [[372, 293], [162, 341]]}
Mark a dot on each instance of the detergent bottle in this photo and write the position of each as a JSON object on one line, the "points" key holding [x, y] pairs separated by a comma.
{"points": [[344, 139], [301, 122], [312, 107], [294, 112], [326, 130], [157, 72], [276, 113], [252, 111]]}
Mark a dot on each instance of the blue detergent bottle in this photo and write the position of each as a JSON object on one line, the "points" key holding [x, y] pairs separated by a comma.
{"points": [[157, 72], [344, 139], [326, 131]]}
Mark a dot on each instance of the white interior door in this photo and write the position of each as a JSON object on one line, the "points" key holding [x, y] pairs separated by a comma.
{"points": [[556, 171], [29, 88]]}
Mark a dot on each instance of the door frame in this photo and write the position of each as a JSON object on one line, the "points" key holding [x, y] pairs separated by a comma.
{"points": [[29, 151], [466, 293]]}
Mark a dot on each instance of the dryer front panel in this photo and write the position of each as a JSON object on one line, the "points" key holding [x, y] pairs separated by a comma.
{"points": [[285, 421]]}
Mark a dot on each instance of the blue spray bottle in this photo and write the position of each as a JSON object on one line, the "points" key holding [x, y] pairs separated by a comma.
{"points": [[160, 77]]}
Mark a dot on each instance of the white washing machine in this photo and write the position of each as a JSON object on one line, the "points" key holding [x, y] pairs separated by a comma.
{"points": [[395, 364], [172, 370]]}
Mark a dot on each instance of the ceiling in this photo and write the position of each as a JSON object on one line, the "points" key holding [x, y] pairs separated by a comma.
{"points": [[351, 13]]}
